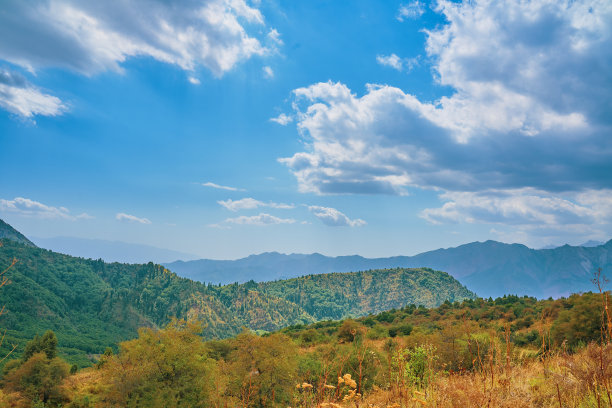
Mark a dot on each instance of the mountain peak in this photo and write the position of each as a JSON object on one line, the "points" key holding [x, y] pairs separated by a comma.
{"points": [[8, 232]]}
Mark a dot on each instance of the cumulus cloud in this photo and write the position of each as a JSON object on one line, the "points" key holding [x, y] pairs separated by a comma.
{"points": [[412, 11], [251, 203], [21, 98], [334, 218], [257, 220], [131, 218], [92, 37], [220, 187], [30, 208], [531, 107]]}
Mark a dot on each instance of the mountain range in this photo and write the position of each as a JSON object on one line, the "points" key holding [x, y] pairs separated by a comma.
{"points": [[490, 269]]}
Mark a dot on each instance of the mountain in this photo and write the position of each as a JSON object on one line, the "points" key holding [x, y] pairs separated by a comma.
{"points": [[592, 243], [490, 268], [8, 232], [91, 304], [110, 251]]}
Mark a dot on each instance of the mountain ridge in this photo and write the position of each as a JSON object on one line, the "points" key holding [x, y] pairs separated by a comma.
{"points": [[489, 268]]}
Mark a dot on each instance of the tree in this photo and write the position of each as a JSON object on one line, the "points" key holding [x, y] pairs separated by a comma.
{"points": [[39, 378], [46, 344], [161, 368]]}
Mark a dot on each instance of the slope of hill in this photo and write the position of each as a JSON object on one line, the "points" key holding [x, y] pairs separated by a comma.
{"points": [[490, 268], [110, 251], [91, 304], [8, 232], [341, 295]]}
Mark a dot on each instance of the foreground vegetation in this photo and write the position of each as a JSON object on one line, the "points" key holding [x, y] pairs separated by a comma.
{"points": [[512, 351], [91, 305]]}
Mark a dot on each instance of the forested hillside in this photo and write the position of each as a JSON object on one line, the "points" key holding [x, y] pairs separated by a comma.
{"points": [[338, 295], [91, 305]]}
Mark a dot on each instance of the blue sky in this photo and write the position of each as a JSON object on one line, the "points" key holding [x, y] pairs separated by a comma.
{"points": [[224, 128]]}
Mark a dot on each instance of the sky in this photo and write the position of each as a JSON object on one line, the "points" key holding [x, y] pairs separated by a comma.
{"points": [[224, 128]]}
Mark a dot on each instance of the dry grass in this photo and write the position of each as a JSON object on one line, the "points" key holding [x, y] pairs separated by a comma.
{"points": [[576, 381]]}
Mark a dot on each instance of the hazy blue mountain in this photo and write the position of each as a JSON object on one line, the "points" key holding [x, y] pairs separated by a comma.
{"points": [[110, 251], [488, 268], [8, 232]]}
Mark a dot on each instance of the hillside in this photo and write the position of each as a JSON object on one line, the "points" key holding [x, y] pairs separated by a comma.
{"points": [[8, 232], [490, 268], [91, 304], [340, 295]]}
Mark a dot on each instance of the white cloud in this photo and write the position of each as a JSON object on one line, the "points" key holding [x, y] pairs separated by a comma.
{"points": [[92, 37], [21, 98], [258, 220], [220, 187], [131, 218], [392, 61], [268, 72], [30, 208], [274, 35], [412, 11], [334, 218], [282, 119], [194, 80], [397, 63], [251, 203]]}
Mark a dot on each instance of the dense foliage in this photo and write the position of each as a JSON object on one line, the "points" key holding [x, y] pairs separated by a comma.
{"points": [[91, 305]]}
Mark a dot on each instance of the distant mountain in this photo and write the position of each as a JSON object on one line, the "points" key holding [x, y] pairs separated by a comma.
{"points": [[591, 243], [8, 232], [110, 251], [488, 268]]}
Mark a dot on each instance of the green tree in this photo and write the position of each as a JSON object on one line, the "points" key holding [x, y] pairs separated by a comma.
{"points": [[46, 344]]}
